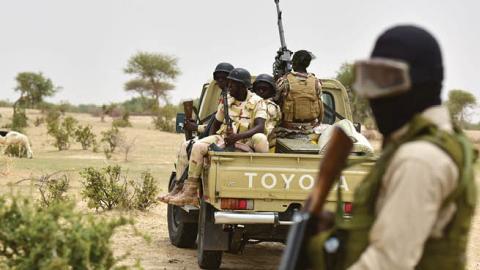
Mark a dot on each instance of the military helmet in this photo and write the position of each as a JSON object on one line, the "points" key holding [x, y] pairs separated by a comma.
{"points": [[241, 75], [223, 67], [264, 78]]}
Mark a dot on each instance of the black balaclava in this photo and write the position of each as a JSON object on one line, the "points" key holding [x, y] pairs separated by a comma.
{"points": [[421, 52]]}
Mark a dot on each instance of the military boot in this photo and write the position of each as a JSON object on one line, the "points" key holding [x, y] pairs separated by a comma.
{"points": [[176, 189], [188, 195]]}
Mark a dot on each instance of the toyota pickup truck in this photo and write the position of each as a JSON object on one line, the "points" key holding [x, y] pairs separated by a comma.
{"points": [[248, 198]]}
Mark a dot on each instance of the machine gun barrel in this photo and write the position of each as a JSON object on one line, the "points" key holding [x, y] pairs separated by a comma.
{"points": [[280, 25]]}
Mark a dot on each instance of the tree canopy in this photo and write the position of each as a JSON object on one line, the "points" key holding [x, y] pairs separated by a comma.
{"points": [[459, 101], [33, 88], [360, 109], [154, 74]]}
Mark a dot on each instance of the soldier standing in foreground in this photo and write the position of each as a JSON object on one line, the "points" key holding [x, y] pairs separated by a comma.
{"points": [[265, 88], [299, 96], [414, 209], [220, 75], [247, 114]]}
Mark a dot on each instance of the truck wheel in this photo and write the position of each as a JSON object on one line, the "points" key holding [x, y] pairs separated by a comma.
{"points": [[181, 234], [207, 259]]}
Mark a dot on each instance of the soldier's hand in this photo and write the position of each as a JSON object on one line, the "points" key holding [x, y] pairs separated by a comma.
{"points": [[232, 139], [190, 125]]}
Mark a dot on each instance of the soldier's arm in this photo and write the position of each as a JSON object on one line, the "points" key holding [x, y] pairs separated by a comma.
{"points": [[415, 185], [282, 89], [218, 119]]}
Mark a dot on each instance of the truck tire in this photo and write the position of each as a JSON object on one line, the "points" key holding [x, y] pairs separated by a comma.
{"points": [[207, 259], [182, 234]]}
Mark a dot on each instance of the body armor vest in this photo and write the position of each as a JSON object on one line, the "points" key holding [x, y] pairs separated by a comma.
{"points": [[302, 103]]}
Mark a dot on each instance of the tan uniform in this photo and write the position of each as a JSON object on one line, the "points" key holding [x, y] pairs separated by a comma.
{"points": [[417, 181], [274, 115], [243, 115]]}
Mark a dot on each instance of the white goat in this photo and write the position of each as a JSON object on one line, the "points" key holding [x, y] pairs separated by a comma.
{"points": [[13, 137]]}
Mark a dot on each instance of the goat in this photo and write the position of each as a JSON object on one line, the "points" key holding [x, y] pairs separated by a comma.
{"points": [[12, 137]]}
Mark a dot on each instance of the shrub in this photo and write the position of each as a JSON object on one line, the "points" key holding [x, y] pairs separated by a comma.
{"points": [[104, 189], [19, 119], [108, 188], [55, 237], [124, 121], [52, 187], [62, 133], [146, 192], [53, 115], [85, 136], [16, 150], [164, 118], [110, 138]]}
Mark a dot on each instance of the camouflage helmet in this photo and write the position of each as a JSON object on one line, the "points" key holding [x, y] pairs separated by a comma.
{"points": [[223, 67], [264, 78], [241, 75]]}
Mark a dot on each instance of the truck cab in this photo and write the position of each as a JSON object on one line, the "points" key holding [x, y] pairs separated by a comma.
{"points": [[247, 198]]}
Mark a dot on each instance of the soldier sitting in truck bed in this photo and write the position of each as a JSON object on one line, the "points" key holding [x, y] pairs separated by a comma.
{"points": [[248, 113], [264, 87], [299, 96], [220, 77]]}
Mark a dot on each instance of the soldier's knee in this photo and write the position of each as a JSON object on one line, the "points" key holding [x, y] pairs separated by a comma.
{"points": [[260, 143]]}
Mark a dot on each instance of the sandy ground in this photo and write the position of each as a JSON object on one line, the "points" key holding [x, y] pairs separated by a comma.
{"points": [[154, 151]]}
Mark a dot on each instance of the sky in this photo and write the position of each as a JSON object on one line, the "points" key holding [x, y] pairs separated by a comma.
{"points": [[83, 46]]}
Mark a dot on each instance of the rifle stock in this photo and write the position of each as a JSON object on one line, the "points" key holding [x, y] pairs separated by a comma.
{"points": [[294, 255], [188, 109]]}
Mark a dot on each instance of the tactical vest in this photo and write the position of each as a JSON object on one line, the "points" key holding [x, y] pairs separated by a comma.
{"points": [[301, 103], [447, 252]]}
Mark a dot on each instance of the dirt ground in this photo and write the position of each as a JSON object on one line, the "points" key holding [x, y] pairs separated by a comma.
{"points": [[154, 151]]}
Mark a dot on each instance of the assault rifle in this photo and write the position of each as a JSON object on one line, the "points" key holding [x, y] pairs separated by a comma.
{"points": [[283, 62], [188, 109], [228, 120], [308, 219]]}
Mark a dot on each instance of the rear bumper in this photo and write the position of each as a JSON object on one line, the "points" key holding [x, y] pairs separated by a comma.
{"points": [[249, 218]]}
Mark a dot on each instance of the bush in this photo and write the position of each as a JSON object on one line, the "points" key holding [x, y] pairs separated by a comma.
{"points": [[53, 115], [19, 119], [52, 187], [62, 133], [124, 121], [55, 237], [105, 189], [108, 188], [110, 138], [16, 150], [164, 119], [85, 136], [145, 192]]}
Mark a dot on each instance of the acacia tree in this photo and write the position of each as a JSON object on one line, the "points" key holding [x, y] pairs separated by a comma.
{"points": [[459, 101], [154, 74], [33, 88], [360, 109]]}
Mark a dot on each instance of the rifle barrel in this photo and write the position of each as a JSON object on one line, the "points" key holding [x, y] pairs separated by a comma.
{"points": [[280, 26]]}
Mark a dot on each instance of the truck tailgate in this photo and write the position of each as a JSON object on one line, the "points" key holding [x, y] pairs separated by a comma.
{"points": [[273, 176]]}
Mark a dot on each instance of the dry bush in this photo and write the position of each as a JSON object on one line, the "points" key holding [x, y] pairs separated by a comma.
{"points": [[38, 121], [52, 187], [126, 146], [16, 150], [109, 188], [110, 140]]}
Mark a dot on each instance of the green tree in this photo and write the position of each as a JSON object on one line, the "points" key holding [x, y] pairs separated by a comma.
{"points": [[33, 88], [154, 74], [360, 109], [459, 101]]}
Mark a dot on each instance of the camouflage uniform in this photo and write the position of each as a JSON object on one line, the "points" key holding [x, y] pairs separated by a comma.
{"points": [[295, 128], [274, 115], [243, 115]]}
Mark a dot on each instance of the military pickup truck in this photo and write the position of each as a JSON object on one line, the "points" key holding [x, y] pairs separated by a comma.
{"points": [[248, 198]]}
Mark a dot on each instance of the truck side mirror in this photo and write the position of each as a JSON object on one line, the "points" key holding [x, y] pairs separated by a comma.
{"points": [[180, 123], [358, 127]]}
